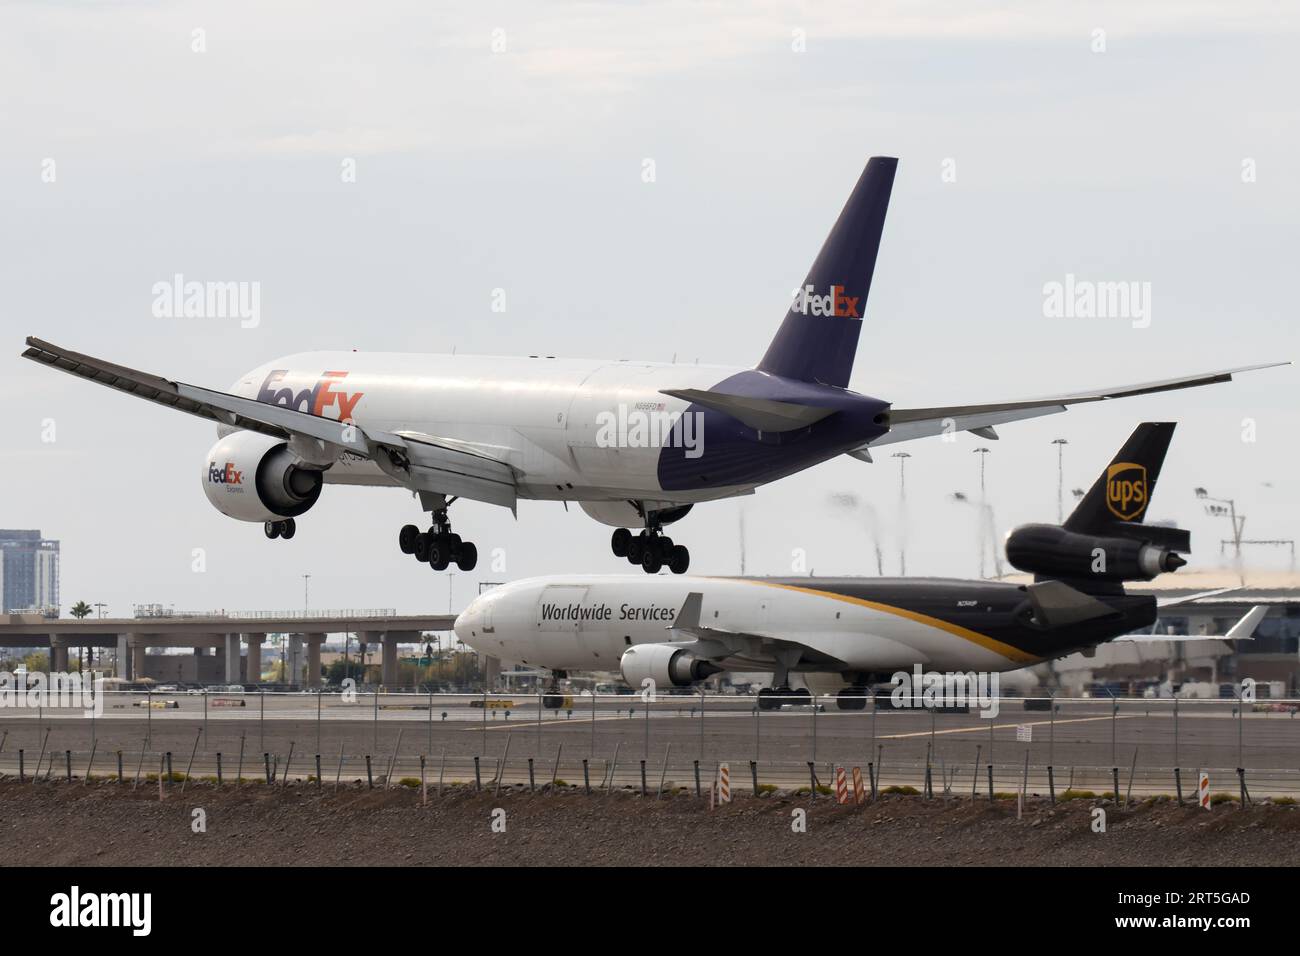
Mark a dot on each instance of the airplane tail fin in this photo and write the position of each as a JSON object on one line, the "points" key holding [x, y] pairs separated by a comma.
{"points": [[1122, 492], [819, 337]]}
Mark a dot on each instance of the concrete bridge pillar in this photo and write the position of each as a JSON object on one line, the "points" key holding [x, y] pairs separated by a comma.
{"points": [[122, 659], [253, 666], [293, 661], [137, 660], [58, 653], [233, 675], [389, 668], [314, 642]]}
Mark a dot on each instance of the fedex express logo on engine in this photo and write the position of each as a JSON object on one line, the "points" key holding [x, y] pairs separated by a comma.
{"points": [[836, 303], [1126, 490], [315, 400], [226, 475]]}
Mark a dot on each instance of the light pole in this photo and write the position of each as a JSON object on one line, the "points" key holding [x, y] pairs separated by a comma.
{"points": [[1217, 510], [902, 457], [306, 605], [983, 453], [1060, 444]]}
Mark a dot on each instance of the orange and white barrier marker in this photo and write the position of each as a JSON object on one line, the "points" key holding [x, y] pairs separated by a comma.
{"points": [[859, 791], [1204, 786], [724, 783], [841, 786]]}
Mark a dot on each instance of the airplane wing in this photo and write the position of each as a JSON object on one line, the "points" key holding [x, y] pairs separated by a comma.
{"points": [[719, 644], [1243, 630], [417, 461], [909, 423]]}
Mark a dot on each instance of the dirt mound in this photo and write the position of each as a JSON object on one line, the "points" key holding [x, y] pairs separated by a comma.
{"points": [[110, 824]]}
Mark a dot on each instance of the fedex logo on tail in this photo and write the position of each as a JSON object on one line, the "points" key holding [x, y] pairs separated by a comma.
{"points": [[226, 475], [315, 400], [835, 303]]}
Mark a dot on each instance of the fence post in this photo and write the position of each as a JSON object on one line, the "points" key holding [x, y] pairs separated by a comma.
{"points": [[643, 787], [531, 783], [318, 781], [697, 779], [119, 767], [753, 773], [21, 770], [586, 777], [1178, 785], [370, 778], [239, 770], [266, 759], [478, 783], [1051, 784], [219, 780], [990, 783], [67, 756], [812, 781]]}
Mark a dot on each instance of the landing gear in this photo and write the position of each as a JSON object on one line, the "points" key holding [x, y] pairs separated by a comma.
{"points": [[852, 698], [774, 698], [651, 549], [439, 546], [280, 529], [552, 699]]}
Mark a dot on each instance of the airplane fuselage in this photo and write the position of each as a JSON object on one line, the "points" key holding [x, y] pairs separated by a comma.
{"points": [[572, 429], [863, 625]]}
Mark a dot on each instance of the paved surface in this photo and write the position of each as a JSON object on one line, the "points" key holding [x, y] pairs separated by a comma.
{"points": [[1082, 741]]}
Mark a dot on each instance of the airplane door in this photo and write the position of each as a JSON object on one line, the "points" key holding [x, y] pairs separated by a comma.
{"points": [[559, 625]]}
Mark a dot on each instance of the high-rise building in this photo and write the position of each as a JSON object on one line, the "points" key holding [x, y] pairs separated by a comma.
{"points": [[29, 571]]}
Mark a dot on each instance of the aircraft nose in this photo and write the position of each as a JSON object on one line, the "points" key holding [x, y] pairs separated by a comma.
{"points": [[467, 622]]}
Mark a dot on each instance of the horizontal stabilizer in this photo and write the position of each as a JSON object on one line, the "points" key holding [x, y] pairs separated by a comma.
{"points": [[1243, 630], [763, 414]]}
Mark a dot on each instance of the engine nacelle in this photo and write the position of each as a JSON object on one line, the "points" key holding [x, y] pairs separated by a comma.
{"points": [[665, 665], [1052, 550], [624, 514], [254, 477]]}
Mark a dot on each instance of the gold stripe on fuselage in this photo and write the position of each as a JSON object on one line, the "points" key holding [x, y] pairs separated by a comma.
{"points": [[1013, 654]]}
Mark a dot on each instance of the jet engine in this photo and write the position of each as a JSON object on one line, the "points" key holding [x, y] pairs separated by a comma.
{"points": [[666, 665], [1134, 553], [255, 477]]}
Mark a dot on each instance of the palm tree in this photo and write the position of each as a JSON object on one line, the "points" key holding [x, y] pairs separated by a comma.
{"points": [[80, 609]]}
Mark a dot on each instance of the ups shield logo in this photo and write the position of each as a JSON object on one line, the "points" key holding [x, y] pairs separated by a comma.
{"points": [[1126, 490]]}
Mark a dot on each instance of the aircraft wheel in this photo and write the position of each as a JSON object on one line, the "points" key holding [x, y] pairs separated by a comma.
{"points": [[800, 696], [439, 553], [552, 701], [406, 538], [635, 550], [620, 541], [421, 547], [852, 698], [767, 699], [288, 528], [651, 561], [468, 556], [271, 529], [679, 559]]}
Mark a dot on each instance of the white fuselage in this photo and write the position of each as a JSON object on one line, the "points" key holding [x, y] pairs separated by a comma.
{"points": [[586, 622], [542, 416]]}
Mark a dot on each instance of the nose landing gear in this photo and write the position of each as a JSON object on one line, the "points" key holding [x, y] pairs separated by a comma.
{"points": [[439, 546]]}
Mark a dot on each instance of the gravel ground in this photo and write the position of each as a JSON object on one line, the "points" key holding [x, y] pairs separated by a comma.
{"points": [[105, 824]]}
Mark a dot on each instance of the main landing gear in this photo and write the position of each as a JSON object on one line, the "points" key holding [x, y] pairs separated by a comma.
{"points": [[439, 546], [552, 699], [774, 698], [652, 549], [280, 529]]}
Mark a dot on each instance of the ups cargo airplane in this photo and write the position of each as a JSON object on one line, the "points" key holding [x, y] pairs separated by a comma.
{"points": [[637, 444], [852, 633]]}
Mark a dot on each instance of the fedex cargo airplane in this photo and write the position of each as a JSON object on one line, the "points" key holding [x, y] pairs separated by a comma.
{"points": [[851, 633], [636, 444]]}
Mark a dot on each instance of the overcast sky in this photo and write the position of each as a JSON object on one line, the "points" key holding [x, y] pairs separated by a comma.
{"points": [[502, 145]]}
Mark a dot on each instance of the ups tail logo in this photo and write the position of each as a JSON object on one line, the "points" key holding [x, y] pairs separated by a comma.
{"points": [[1126, 490]]}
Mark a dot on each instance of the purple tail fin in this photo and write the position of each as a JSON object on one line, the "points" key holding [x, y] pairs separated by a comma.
{"points": [[819, 337]]}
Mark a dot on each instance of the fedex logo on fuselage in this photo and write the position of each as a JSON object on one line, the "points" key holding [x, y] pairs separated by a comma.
{"points": [[835, 303], [225, 475], [315, 400]]}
